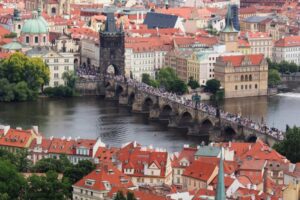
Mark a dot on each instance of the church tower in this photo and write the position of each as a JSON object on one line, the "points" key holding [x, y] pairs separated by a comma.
{"points": [[112, 47], [229, 35]]}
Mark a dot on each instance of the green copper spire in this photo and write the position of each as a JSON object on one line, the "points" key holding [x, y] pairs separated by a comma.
{"points": [[228, 19], [220, 193]]}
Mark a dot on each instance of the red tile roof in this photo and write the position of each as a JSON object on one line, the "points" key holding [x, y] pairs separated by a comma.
{"points": [[17, 138], [289, 41], [138, 194], [187, 154], [138, 158], [236, 61], [106, 154], [105, 173], [200, 170], [62, 146]]}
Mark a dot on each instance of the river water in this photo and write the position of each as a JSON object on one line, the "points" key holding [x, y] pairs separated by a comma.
{"points": [[91, 117]]}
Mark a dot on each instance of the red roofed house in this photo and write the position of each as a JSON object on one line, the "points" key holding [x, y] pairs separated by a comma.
{"points": [[242, 75], [184, 159], [74, 149], [287, 49], [145, 165], [199, 175], [254, 169], [14, 140], [98, 183]]}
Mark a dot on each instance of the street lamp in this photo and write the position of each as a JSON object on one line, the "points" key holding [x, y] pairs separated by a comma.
{"points": [[196, 98]]}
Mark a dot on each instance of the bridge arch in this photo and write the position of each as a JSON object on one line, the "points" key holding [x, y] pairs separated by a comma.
{"points": [[207, 124], [185, 119], [165, 111], [229, 133], [251, 138], [147, 104]]}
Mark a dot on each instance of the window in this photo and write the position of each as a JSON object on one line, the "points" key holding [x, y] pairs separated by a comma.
{"points": [[55, 83], [56, 60], [66, 60], [27, 39], [55, 67], [56, 75], [44, 39], [19, 26], [66, 68], [255, 86], [242, 87], [242, 78], [250, 86], [36, 39], [81, 191], [236, 87], [250, 77], [246, 87]]}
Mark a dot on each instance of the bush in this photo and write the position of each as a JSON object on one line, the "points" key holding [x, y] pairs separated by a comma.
{"points": [[60, 91]]}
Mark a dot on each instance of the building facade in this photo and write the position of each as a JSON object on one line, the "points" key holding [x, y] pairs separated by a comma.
{"points": [[243, 75], [287, 49]]}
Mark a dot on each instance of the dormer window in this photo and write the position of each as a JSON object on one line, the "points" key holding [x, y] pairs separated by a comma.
{"points": [[89, 182]]}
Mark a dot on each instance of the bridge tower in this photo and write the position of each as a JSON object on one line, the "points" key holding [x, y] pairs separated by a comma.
{"points": [[112, 47]]}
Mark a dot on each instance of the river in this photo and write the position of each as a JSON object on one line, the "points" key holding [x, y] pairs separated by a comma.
{"points": [[91, 117]]}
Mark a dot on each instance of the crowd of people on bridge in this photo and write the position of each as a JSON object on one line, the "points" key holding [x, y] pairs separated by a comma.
{"points": [[87, 72], [235, 118]]}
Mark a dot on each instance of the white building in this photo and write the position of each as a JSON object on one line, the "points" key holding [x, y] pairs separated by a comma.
{"points": [[144, 55], [287, 49], [58, 62]]}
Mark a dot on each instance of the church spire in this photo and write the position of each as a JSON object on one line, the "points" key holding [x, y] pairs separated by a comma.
{"points": [[228, 20], [220, 193], [110, 23]]}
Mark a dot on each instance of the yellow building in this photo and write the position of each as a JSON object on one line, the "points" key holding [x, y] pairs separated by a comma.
{"points": [[242, 75], [292, 192], [193, 68]]}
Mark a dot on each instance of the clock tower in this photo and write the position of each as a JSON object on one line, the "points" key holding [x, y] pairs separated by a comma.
{"points": [[229, 35]]}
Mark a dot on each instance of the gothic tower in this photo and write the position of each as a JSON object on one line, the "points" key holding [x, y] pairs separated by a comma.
{"points": [[229, 35], [112, 47]]}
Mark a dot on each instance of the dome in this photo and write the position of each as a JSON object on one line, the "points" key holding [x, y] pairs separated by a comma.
{"points": [[36, 25], [14, 45]]}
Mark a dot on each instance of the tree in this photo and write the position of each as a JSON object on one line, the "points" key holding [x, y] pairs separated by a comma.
{"points": [[47, 187], [12, 184], [19, 67], [213, 85], [290, 147], [51, 164], [168, 79], [6, 91], [75, 172], [121, 196], [146, 78], [70, 79], [273, 78], [193, 83]]}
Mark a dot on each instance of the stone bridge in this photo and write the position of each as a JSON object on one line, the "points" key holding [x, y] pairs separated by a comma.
{"points": [[179, 115]]}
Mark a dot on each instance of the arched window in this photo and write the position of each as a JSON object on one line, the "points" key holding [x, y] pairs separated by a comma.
{"points": [[255, 86], [242, 78], [27, 39], [246, 77], [250, 77]]}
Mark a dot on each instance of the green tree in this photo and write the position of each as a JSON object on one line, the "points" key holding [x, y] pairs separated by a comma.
{"points": [[290, 147], [51, 164], [70, 79], [273, 78], [47, 187], [146, 78], [12, 184], [6, 91], [168, 79], [120, 196], [193, 83], [213, 85], [76, 172], [10, 35], [19, 67]]}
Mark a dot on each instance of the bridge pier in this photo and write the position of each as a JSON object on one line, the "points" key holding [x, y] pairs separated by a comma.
{"points": [[110, 94], [154, 114], [123, 99], [137, 107]]}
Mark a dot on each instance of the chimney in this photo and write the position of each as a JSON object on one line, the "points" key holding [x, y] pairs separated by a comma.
{"points": [[39, 139], [6, 129], [229, 144], [35, 129]]}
